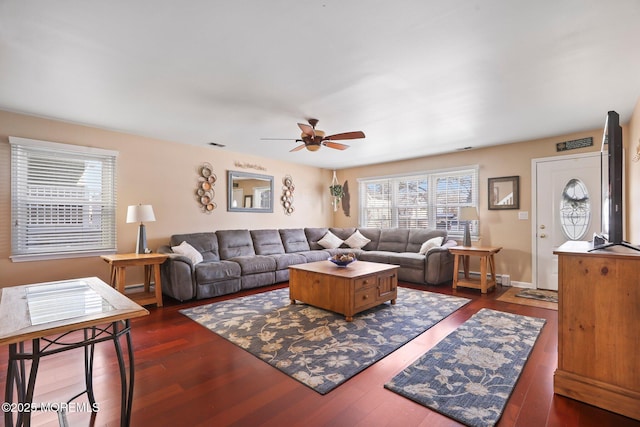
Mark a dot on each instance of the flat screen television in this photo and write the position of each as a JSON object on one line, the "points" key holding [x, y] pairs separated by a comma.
{"points": [[612, 184]]}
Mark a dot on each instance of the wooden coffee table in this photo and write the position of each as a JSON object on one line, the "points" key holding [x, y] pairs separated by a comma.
{"points": [[346, 290]]}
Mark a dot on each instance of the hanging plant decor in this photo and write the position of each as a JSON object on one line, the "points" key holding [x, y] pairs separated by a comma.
{"points": [[337, 192]]}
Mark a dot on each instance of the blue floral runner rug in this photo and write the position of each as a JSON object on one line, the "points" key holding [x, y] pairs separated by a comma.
{"points": [[317, 347], [470, 374]]}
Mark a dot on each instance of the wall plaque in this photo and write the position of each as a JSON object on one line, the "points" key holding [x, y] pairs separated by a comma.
{"points": [[574, 143]]}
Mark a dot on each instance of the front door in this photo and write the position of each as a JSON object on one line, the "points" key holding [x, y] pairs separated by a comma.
{"points": [[567, 207]]}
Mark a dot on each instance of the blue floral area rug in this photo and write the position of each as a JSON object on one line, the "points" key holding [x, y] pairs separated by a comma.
{"points": [[470, 374], [317, 347]]}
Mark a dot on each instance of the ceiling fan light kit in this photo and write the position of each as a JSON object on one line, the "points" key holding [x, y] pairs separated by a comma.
{"points": [[313, 139]]}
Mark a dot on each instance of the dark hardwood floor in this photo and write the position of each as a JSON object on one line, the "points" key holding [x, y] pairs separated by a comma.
{"points": [[188, 376]]}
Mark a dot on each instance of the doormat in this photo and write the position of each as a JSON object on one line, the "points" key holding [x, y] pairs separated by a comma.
{"points": [[539, 294], [510, 296]]}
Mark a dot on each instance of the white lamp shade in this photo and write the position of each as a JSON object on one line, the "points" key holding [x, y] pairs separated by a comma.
{"points": [[468, 213], [140, 213]]}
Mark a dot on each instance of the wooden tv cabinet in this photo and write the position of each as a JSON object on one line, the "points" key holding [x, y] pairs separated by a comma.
{"points": [[599, 327]]}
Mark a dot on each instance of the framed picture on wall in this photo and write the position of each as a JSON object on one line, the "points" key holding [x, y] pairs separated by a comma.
{"points": [[504, 192]]}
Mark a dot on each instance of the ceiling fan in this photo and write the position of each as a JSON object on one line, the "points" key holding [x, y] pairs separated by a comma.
{"points": [[313, 138]]}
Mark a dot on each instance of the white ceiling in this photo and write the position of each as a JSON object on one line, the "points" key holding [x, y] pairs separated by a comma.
{"points": [[419, 77]]}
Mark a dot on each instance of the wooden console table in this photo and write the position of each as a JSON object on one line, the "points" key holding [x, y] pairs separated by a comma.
{"points": [[42, 319], [599, 327], [151, 263], [486, 258]]}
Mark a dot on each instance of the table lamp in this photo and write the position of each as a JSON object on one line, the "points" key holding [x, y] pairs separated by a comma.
{"points": [[467, 214], [140, 213]]}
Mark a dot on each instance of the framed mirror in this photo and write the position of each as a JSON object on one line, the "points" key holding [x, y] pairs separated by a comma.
{"points": [[504, 192], [249, 192]]}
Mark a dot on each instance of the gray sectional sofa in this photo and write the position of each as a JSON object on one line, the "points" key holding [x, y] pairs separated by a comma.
{"points": [[227, 261]]}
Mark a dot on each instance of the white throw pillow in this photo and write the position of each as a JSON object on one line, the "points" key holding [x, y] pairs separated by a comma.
{"points": [[330, 241], [189, 251], [430, 244], [357, 240]]}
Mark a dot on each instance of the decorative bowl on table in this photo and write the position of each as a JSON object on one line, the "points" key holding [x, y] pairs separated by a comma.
{"points": [[342, 260]]}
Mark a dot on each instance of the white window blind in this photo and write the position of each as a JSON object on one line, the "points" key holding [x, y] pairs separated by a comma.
{"points": [[63, 200], [426, 200]]}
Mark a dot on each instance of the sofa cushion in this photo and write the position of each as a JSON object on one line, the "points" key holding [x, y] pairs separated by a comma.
{"points": [[356, 240], [376, 256], [206, 243], [342, 233], [417, 236], [189, 251], [254, 264], [267, 242], [330, 241], [235, 243], [283, 261], [407, 260], [374, 235], [313, 256], [313, 235], [294, 240], [394, 240], [215, 271], [430, 244]]}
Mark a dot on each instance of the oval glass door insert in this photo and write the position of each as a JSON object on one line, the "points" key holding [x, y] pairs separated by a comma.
{"points": [[575, 209]]}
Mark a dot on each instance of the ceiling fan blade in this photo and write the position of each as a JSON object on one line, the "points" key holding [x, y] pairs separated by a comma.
{"points": [[299, 147], [345, 135], [335, 145], [307, 129]]}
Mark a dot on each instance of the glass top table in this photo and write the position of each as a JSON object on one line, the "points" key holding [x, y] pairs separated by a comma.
{"points": [[43, 319], [38, 310]]}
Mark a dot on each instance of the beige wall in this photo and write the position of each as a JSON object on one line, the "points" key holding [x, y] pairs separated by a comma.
{"points": [[165, 175], [497, 227], [632, 200]]}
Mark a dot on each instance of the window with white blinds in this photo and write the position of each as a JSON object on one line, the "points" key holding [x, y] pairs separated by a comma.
{"points": [[427, 200], [63, 200]]}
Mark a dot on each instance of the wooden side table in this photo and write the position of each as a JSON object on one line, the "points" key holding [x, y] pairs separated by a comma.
{"points": [[486, 257], [150, 262]]}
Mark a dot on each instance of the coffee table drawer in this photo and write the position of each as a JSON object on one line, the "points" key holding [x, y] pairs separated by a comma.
{"points": [[366, 297], [365, 283]]}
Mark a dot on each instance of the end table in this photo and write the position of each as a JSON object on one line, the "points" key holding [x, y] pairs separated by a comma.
{"points": [[486, 257], [151, 263]]}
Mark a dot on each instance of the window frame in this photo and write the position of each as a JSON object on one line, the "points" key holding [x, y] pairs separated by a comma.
{"points": [[454, 228], [70, 210]]}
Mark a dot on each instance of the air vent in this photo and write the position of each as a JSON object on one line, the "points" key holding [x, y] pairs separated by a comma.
{"points": [[215, 144]]}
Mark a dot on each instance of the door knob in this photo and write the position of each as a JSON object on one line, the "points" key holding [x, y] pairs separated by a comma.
{"points": [[542, 236], [542, 227]]}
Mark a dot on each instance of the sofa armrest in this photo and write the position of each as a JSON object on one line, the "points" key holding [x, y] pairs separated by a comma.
{"points": [[177, 275], [438, 266]]}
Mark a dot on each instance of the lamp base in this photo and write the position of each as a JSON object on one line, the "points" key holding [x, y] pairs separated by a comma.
{"points": [[141, 244], [466, 239]]}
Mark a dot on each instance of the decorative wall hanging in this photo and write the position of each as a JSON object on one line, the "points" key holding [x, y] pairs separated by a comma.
{"points": [[287, 194], [244, 165], [204, 192], [346, 199], [574, 144], [336, 191]]}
